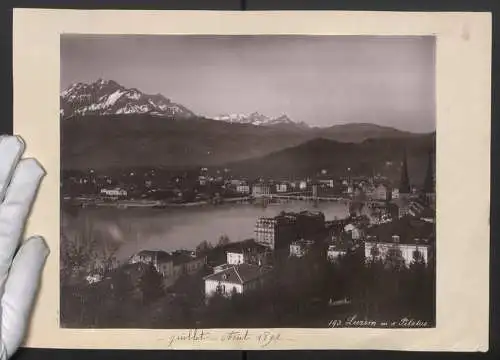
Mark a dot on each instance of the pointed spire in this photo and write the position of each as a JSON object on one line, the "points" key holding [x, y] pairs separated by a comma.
{"points": [[404, 185], [429, 176]]}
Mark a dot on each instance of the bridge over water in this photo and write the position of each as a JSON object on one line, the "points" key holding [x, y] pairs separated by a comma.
{"points": [[308, 196]]}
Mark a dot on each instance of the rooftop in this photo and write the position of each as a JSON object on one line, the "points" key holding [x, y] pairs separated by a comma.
{"points": [[277, 219], [240, 274], [307, 213], [408, 229], [292, 216], [303, 242], [159, 255], [341, 246], [183, 256], [249, 245]]}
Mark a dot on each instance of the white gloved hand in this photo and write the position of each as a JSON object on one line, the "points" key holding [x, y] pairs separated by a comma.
{"points": [[20, 267]]}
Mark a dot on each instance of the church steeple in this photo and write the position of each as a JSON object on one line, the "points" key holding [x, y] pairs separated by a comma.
{"points": [[429, 176], [404, 185]]}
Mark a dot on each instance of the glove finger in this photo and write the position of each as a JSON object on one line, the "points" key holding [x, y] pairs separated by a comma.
{"points": [[15, 208], [11, 150], [20, 290]]}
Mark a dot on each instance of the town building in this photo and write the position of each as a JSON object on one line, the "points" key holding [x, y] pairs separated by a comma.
{"points": [[277, 232], [246, 252], [161, 260], [243, 188], [114, 193], [334, 231], [327, 182], [236, 279], [395, 194], [300, 248], [381, 192], [335, 251], [187, 263], [281, 187], [170, 266], [202, 180], [259, 190], [403, 205], [280, 231], [355, 232], [409, 252], [403, 237], [303, 185]]}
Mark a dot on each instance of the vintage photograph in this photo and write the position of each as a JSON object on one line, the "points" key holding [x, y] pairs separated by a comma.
{"points": [[247, 181]]}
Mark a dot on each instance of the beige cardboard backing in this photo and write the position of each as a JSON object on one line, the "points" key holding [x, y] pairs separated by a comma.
{"points": [[463, 165]]}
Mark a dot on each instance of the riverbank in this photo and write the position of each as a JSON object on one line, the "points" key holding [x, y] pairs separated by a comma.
{"points": [[122, 204], [85, 202]]}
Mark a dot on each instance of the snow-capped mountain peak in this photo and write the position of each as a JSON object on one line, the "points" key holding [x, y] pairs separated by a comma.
{"points": [[107, 97], [283, 119], [258, 119]]}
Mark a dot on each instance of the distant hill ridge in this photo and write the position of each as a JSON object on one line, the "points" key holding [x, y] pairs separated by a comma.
{"points": [[312, 158]]}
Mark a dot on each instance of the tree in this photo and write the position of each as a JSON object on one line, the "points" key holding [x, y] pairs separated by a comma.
{"points": [[203, 247], [358, 203], [418, 259], [394, 259], [150, 284], [103, 256], [374, 252], [121, 285], [76, 253], [223, 240]]}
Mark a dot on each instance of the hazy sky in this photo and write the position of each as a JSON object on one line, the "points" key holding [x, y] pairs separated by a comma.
{"points": [[321, 80]]}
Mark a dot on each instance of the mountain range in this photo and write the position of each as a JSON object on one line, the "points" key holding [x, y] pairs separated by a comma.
{"points": [[259, 119], [103, 125], [107, 97]]}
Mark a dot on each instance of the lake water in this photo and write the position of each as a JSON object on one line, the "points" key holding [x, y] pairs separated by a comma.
{"points": [[179, 228]]}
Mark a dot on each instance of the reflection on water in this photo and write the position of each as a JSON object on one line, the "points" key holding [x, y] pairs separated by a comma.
{"points": [[180, 228]]}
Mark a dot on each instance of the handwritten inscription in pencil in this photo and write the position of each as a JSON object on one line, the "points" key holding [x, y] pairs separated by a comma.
{"points": [[262, 338]]}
